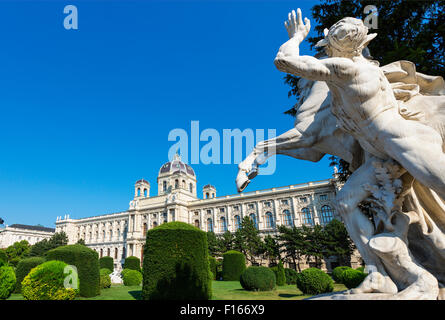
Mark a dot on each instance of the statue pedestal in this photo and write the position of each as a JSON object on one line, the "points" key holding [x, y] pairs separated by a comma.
{"points": [[359, 296]]}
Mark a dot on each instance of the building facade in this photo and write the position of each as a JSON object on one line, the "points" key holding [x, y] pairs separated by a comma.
{"points": [[123, 234], [18, 232]]}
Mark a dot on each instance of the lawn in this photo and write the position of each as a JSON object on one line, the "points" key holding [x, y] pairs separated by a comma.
{"points": [[222, 290]]}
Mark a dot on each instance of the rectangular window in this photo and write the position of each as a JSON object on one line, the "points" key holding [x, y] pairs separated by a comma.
{"points": [[221, 210], [303, 199], [284, 202], [251, 206], [323, 197]]}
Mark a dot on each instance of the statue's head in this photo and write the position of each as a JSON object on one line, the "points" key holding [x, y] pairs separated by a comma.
{"points": [[347, 37]]}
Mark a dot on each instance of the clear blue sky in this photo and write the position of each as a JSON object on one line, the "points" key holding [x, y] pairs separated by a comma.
{"points": [[87, 112]]}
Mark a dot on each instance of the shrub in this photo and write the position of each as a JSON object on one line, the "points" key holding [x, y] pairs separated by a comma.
{"points": [[258, 279], [337, 273], [132, 278], [362, 269], [87, 263], [234, 264], [105, 271], [46, 282], [314, 281], [106, 262], [291, 276], [7, 281], [133, 263], [352, 278], [176, 265], [105, 280], [279, 274], [23, 268], [213, 267], [124, 271], [3, 257]]}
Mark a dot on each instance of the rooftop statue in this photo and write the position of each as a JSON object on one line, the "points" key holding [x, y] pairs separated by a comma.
{"points": [[388, 123]]}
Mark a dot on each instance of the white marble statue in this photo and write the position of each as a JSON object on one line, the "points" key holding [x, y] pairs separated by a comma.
{"points": [[116, 277], [387, 122]]}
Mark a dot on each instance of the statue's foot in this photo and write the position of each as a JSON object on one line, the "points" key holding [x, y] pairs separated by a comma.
{"points": [[252, 174], [241, 181], [375, 282]]}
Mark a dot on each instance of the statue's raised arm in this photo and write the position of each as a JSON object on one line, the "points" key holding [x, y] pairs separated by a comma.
{"points": [[288, 58]]}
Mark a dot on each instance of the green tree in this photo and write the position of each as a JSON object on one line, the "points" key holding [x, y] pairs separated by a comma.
{"points": [[292, 244], [17, 251], [271, 249], [40, 248], [314, 243], [81, 241], [337, 242], [213, 244], [225, 242], [248, 240]]}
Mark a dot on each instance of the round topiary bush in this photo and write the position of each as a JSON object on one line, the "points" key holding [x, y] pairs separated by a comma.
{"points": [[213, 267], [23, 268], [86, 261], [291, 276], [258, 279], [7, 281], [132, 263], [46, 282], [234, 264], [314, 281], [176, 263], [352, 278], [106, 262], [105, 271], [279, 274], [337, 273], [105, 280], [132, 278]]}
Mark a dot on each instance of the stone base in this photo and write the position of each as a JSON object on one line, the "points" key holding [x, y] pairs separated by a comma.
{"points": [[359, 296]]}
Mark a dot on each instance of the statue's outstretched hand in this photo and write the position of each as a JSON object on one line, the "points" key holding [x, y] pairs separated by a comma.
{"points": [[295, 26]]}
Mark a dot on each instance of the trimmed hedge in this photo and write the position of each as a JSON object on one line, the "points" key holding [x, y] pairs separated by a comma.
{"points": [[86, 261], [314, 281], [234, 264], [105, 280], [3, 257], [362, 269], [291, 276], [132, 278], [106, 262], [352, 278], [46, 282], [213, 267], [176, 263], [7, 281], [337, 273], [279, 274], [133, 263], [258, 279], [23, 268]]}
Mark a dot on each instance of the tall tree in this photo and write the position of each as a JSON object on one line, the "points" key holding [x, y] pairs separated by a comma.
{"points": [[213, 244], [40, 248], [17, 251], [314, 243], [337, 242], [225, 242], [292, 243], [271, 249], [248, 240]]}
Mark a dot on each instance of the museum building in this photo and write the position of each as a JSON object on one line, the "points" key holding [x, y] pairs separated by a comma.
{"points": [[123, 234]]}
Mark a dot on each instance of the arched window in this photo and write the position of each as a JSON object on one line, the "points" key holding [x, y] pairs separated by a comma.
{"points": [[222, 224], [207, 195], [139, 192], [191, 187], [197, 223], [288, 221], [115, 253], [270, 223], [145, 192], [237, 222], [144, 230], [209, 225], [103, 235], [101, 253], [253, 218], [108, 252], [118, 233], [111, 234], [327, 214], [155, 224], [176, 184], [183, 184], [164, 186], [307, 216]]}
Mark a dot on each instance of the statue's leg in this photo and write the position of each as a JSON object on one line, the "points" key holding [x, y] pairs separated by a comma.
{"points": [[420, 153], [361, 229]]}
